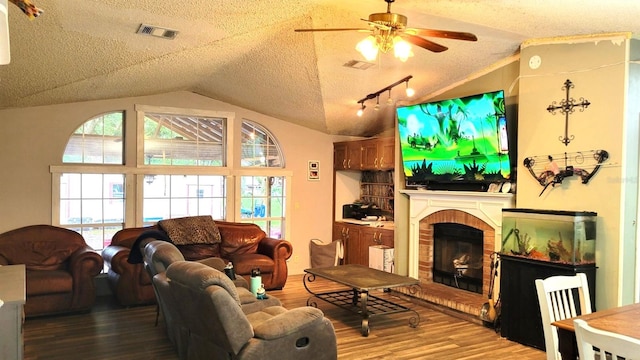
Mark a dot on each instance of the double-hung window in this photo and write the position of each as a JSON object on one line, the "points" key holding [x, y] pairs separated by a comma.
{"points": [[181, 163]]}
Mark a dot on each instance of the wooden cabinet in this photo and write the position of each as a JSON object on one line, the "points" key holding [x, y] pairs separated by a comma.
{"points": [[358, 238], [378, 154], [371, 154], [347, 155], [370, 179], [520, 314], [371, 236]]}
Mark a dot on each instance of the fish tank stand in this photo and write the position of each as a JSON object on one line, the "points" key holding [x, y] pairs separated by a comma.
{"points": [[520, 313]]}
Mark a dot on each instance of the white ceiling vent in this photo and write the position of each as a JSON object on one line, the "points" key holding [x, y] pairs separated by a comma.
{"points": [[157, 31], [357, 64]]}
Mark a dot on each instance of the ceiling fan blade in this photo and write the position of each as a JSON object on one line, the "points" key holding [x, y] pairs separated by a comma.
{"points": [[445, 34], [424, 43], [336, 29]]}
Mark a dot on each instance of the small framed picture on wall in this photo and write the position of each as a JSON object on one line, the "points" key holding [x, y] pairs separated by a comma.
{"points": [[314, 170]]}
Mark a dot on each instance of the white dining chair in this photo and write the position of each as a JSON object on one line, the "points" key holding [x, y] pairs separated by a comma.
{"points": [[557, 302], [605, 342]]}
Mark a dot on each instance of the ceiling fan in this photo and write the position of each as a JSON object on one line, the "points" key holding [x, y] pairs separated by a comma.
{"points": [[388, 29]]}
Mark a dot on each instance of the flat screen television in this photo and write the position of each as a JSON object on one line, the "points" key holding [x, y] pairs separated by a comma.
{"points": [[455, 144]]}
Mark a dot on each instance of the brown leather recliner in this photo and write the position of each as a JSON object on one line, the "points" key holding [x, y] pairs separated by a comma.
{"points": [[244, 244], [60, 268]]}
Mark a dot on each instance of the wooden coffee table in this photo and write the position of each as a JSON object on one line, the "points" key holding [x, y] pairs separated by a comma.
{"points": [[361, 280]]}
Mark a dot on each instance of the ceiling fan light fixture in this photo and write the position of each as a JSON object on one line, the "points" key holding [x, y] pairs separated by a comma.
{"points": [[401, 49], [368, 48]]}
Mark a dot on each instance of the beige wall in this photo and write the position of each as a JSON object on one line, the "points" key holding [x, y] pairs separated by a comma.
{"points": [[598, 67], [34, 138]]}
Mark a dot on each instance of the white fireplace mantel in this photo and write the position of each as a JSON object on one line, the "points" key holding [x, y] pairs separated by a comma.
{"points": [[484, 205]]}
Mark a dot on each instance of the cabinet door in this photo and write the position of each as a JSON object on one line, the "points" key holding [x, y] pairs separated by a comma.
{"points": [[337, 232], [370, 155], [354, 155], [385, 237], [371, 236], [340, 156], [386, 153], [352, 245]]}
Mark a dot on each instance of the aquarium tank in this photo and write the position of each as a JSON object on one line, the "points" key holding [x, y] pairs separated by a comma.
{"points": [[565, 237]]}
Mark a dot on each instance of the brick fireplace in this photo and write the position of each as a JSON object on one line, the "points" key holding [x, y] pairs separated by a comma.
{"points": [[479, 210]]}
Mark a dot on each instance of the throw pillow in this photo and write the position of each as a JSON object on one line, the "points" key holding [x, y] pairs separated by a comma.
{"points": [[191, 230]]}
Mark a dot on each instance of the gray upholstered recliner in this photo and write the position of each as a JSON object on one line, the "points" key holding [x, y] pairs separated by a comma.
{"points": [[210, 322], [158, 255]]}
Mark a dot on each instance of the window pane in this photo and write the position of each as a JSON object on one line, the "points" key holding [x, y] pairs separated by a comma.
{"points": [[155, 209], [275, 230], [70, 186], [98, 141], [277, 208], [92, 205], [171, 196], [92, 186], [183, 140], [259, 147], [262, 202]]}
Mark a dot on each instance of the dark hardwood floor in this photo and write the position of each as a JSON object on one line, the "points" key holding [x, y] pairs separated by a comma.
{"points": [[113, 332]]}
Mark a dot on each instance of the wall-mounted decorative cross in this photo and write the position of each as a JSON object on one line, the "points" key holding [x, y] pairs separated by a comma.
{"points": [[566, 107]]}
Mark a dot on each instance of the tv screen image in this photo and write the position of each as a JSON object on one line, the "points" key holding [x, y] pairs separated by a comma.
{"points": [[461, 140]]}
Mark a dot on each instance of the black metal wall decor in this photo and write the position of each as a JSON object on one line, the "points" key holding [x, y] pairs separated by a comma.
{"points": [[575, 164], [566, 107]]}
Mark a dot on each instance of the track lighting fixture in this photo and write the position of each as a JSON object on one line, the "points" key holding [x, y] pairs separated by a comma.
{"points": [[410, 92], [376, 95]]}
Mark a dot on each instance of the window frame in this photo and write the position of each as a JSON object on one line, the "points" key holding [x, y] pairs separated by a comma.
{"points": [[134, 168]]}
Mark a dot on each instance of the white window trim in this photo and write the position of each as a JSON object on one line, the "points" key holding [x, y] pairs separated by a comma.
{"points": [[134, 174], [288, 175]]}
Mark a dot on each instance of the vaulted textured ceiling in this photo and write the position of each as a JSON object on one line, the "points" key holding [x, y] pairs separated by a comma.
{"points": [[246, 52]]}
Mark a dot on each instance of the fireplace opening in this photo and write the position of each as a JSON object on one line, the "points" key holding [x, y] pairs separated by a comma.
{"points": [[457, 256]]}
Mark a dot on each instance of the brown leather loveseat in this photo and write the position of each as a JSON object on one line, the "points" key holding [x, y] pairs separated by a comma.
{"points": [[243, 244], [60, 268]]}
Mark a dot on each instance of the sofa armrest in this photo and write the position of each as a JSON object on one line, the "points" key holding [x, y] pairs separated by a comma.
{"points": [[288, 323], [275, 249], [84, 265], [116, 257]]}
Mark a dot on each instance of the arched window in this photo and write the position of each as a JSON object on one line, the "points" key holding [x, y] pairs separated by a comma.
{"points": [[97, 141], [93, 203], [259, 147]]}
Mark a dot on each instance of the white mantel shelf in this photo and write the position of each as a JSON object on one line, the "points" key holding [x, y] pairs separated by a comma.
{"points": [[486, 206]]}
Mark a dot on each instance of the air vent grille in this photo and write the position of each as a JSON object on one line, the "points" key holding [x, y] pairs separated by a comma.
{"points": [[357, 64], [157, 31]]}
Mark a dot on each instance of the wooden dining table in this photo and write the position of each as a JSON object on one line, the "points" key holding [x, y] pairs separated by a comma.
{"points": [[621, 320]]}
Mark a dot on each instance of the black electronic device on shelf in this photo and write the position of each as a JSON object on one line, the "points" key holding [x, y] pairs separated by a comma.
{"points": [[360, 211]]}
